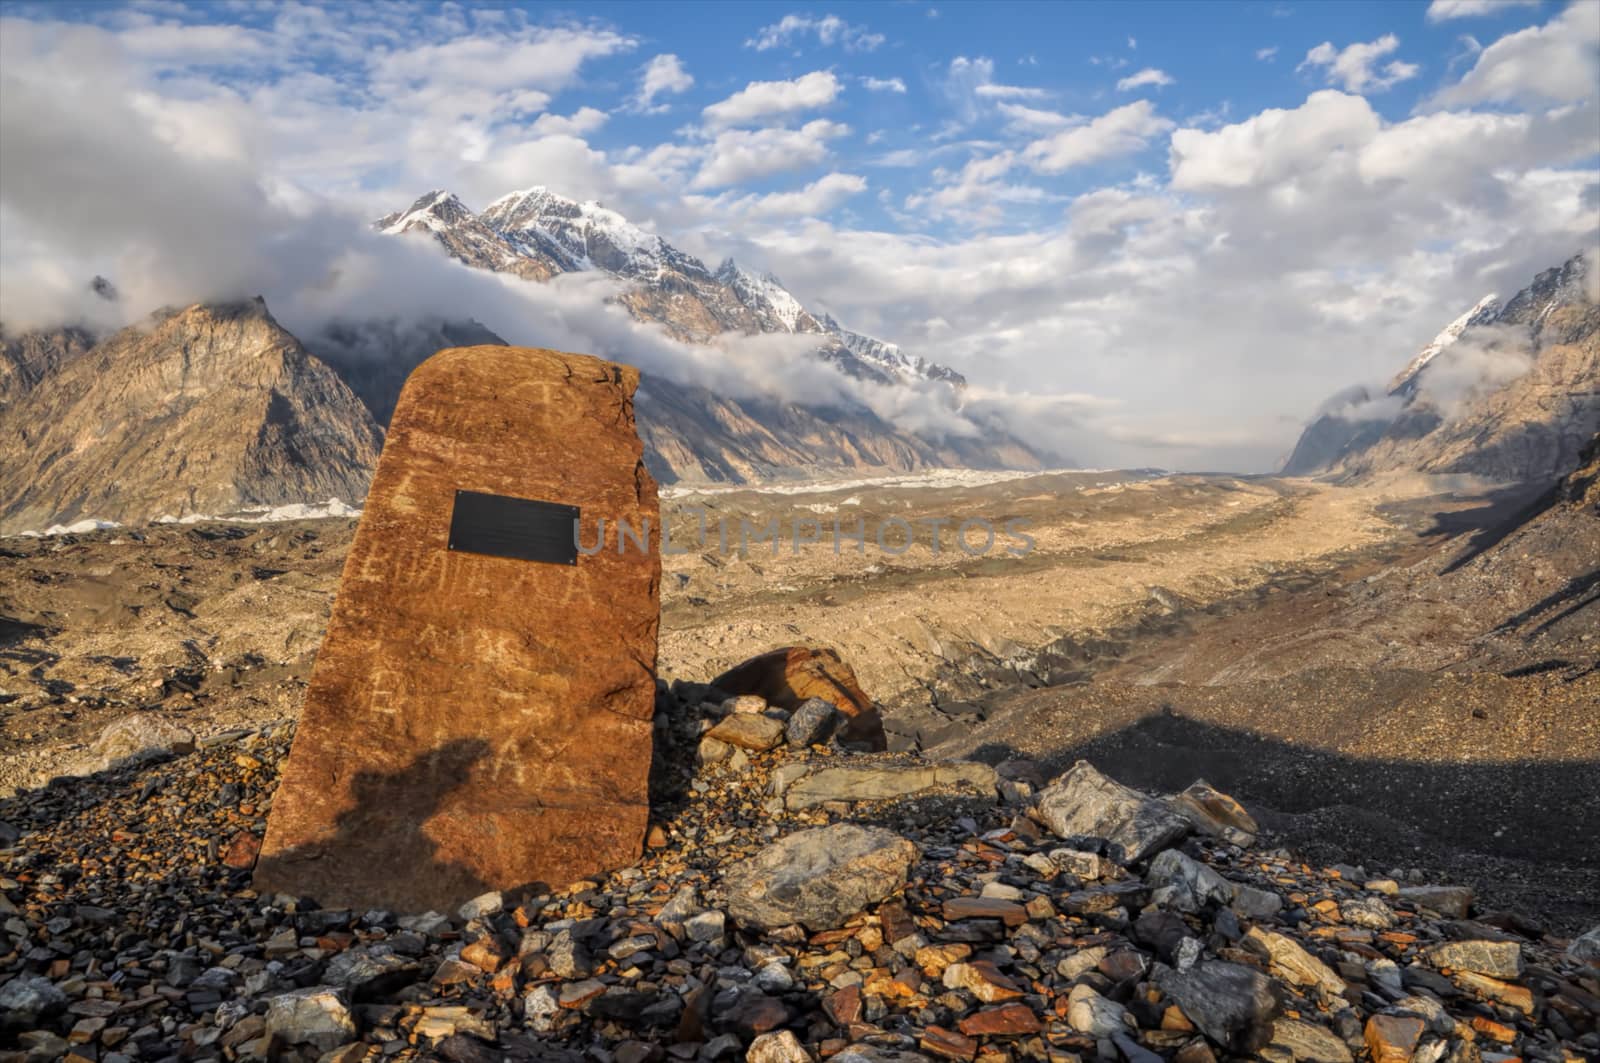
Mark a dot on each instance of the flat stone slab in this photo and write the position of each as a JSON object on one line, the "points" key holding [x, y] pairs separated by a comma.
{"points": [[479, 716], [874, 782]]}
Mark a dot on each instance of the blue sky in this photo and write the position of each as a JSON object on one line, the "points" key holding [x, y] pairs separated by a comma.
{"points": [[1165, 230]]}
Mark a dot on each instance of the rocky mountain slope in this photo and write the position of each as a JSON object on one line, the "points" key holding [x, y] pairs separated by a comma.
{"points": [[693, 433], [536, 233], [1508, 392], [204, 410]]}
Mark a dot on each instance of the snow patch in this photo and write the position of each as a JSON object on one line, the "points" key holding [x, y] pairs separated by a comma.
{"points": [[333, 507]]}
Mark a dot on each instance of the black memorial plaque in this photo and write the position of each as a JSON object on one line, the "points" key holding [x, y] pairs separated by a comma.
{"points": [[521, 528]]}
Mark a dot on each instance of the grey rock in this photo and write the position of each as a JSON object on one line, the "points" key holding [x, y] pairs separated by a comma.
{"points": [[1255, 904], [317, 1018], [676, 912], [1497, 959], [876, 782], [812, 724], [134, 738], [481, 907], [366, 973], [1454, 901], [567, 957], [1085, 865], [1586, 947], [819, 877], [873, 1054], [1083, 804], [1368, 912], [1185, 884], [1089, 1012], [1234, 1005], [27, 998], [707, 926], [1307, 1042], [540, 1008], [427, 924]]}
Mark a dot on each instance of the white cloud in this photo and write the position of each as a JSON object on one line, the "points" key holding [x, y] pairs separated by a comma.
{"points": [[738, 155], [1440, 10], [884, 84], [582, 121], [1123, 131], [1148, 76], [543, 58], [815, 200], [769, 99], [829, 30], [1034, 120], [976, 194], [992, 91], [1355, 67], [1559, 62], [1183, 318], [1267, 54], [663, 75]]}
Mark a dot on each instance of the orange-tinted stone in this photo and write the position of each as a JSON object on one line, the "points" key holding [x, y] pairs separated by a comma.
{"points": [[479, 722], [242, 851], [786, 677], [1008, 1020]]}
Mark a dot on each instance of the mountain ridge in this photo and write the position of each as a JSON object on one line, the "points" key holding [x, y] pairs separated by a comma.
{"points": [[537, 234], [202, 410], [1508, 392]]}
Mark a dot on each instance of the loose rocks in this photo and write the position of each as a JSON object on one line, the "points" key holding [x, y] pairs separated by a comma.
{"points": [[1084, 805], [818, 878]]}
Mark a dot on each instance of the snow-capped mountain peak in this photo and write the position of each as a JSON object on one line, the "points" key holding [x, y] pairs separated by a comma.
{"points": [[438, 210], [538, 233], [766, 296], [587, 234], [1484, 311]]}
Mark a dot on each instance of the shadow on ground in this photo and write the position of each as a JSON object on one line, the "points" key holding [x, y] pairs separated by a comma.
{"points": [[1521, 832]]}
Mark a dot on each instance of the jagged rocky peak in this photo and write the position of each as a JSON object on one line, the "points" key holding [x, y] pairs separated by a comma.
{"points": [[437, 208], [1481, 314], [199, 410], [767, 298], [587, 234], [1523, 414], [1551, 290]]}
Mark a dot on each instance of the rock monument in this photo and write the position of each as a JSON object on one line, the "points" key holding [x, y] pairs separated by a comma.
{"points": [[479, 716]]}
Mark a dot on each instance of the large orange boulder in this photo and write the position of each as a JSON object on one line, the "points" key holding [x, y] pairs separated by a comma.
{"points": [[479, 715], [788, 676]]}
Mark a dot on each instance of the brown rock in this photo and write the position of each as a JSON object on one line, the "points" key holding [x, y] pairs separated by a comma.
{"points": [[1008, 1020], [756, 1013], [479, 722], [755, 733], [786, 677], [844, 1007], [242, 851], [1210, 811], [1010, 912], [947, 1043], [1392, 1038], [1494, 1031]]}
